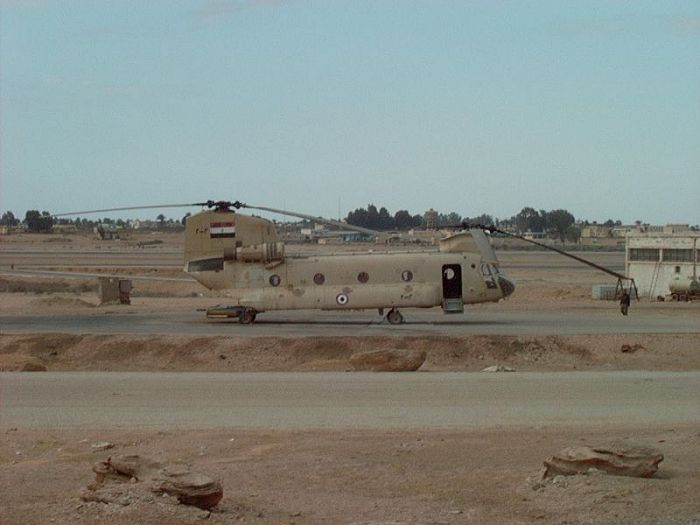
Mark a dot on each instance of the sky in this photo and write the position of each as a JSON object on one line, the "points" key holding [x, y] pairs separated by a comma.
{"points": [[325, 106]]}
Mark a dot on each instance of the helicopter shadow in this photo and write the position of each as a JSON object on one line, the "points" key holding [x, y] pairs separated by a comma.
{"points": [[350, 322]]}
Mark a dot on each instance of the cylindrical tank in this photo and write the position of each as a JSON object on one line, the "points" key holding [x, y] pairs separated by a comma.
{"points": [[684, 285], [264, 253]]}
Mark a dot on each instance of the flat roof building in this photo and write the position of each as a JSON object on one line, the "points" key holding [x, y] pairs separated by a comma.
{"points": [[656, 259]]}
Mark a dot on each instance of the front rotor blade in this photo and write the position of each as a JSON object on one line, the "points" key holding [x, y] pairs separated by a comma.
{"points": [[128, 208]]}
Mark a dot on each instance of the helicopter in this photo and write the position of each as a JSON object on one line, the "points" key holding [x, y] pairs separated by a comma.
{"points": [[242, 256]]}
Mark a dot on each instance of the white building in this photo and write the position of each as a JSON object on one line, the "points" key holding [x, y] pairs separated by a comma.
{"points": [[655, 259]]}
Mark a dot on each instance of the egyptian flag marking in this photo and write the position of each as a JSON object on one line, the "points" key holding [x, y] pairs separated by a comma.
{"points": [[222, 230]]}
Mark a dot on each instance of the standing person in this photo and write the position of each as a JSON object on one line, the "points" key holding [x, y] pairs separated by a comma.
{"points": [[624, 302]]}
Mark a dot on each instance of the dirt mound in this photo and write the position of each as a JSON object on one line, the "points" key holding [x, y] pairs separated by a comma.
{"points": [[61, 302], [388, 360], [43, 286], [20, 363], [250, 354]]}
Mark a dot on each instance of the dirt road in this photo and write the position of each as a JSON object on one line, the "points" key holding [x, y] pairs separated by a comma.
{"points": [[347, 400], [602, 319]]}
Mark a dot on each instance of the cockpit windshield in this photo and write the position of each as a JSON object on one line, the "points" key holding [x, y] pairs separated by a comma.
{"points": [[489, 270]]}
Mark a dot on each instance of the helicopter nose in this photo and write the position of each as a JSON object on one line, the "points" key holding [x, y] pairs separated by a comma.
{"points": [[507, 286]]}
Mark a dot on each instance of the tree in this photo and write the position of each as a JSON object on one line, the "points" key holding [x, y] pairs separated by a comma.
{"points": [[9, 219], [38, 222], [372, 217], [506, 223], [559, 222], [386, 221], [358, 218], [449, 219], [403, 220], [529, 219], [161, 220], [484, 219], [184, 219], [573, 234]]}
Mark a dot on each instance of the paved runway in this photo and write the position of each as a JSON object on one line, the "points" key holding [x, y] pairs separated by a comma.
{"points": [[102, 400], [603, 319]]}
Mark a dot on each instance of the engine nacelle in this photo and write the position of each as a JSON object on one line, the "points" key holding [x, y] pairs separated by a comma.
{"points": [[265, 252]]}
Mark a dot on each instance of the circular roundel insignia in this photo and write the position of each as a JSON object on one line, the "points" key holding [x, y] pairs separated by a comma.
{"points": [[341, 299]]}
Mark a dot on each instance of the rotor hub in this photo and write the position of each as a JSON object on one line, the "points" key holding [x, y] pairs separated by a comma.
{"points": [[223, 206]]}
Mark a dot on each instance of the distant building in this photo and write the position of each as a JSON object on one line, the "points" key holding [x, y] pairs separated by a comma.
{"points": [[534, 235], [596, 231], [65, 228], [625, 229], [654, 259], [601, 236]]}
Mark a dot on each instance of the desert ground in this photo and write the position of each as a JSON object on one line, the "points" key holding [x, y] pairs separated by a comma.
{"points": [[275, 412]]}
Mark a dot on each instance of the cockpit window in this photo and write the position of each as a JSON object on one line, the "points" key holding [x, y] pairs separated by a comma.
{"points": [[489, 273], [489, 270]]}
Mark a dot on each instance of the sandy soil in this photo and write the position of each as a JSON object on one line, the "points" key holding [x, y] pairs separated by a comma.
{"points": [[482, 477]]}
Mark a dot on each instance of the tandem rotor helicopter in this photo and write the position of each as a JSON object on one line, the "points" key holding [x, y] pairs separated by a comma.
{"points": [[242, 256]]}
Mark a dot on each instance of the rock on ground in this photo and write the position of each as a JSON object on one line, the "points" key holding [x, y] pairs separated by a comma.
{"points": [[630, 349], [388, 360], [145, 475], [615, 459], [499, 368]]}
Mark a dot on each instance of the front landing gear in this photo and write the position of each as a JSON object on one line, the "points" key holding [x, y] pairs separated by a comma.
{"points": [[394, 316]]}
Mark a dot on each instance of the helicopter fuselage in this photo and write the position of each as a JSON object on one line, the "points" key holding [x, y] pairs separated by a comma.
{"points": [[241, 256], [357, 281]]}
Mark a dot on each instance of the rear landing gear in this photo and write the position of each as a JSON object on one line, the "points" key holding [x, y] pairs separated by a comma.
{"points": [[247, 316], [394, 316], [244, 314]]}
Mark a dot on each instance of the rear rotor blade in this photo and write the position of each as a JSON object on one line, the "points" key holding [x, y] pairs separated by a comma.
{"points": [[323, 220]]}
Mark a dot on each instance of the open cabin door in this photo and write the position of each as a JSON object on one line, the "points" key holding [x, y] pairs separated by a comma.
{"points": [[452, 289]]}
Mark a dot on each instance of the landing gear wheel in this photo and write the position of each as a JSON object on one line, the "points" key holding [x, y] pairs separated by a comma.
{"points": [[394, 317], [248, 316]]}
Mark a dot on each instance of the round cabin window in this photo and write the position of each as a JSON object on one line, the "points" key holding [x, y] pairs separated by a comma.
{"points": [[319, 278], [275, 280], [407, 276], [363, 277]]}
